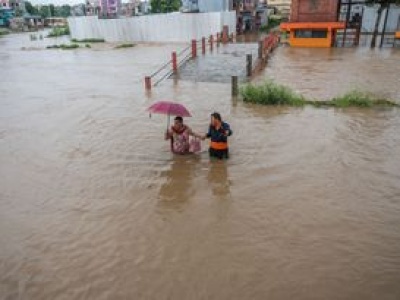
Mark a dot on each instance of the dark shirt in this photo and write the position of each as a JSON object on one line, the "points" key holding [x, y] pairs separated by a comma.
{"points": [[219, 135]]}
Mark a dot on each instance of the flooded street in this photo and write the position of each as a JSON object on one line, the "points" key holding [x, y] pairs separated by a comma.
{"points": [[94, 206]]}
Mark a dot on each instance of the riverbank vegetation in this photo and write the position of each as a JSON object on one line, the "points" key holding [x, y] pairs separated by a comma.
{"points": [[3, 32], [59, 31], [270, 93], [63, 46], [129, 45], [273, 22], [88, 41]]}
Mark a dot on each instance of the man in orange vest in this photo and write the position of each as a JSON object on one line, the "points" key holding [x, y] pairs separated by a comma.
{"points": [[218, 133]]}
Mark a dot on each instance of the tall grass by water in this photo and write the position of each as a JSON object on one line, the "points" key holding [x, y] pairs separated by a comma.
{"points": [[88, 41], [122, 46], [3, 32], [271, 93], [64, 46], [59, 31]]}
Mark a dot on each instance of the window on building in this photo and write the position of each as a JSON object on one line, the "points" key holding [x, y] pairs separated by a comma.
{"points": [[316, 34]]}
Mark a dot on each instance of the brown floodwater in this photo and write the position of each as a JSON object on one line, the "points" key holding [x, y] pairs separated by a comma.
{"points": [[94, 206]]}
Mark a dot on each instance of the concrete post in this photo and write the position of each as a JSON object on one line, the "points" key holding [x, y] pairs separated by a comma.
{"points": [[235, 88], [211, 42], [218, 39], [249, 64], [260, 50]]}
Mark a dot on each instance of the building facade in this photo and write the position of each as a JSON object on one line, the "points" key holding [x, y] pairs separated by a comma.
{"points": [[110, 8], [281, 6], [12, 4], [204, 6], [313, 23]]}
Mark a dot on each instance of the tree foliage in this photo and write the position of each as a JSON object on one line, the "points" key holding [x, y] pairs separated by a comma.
{"points": [[30, 9], [164, 6], [46, 11]]}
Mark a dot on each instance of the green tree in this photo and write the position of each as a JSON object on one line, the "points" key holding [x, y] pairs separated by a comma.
{"points": [[164, 6], [30, 9], [19, 12], [44, 11], [52, 10], [65, 11], [383, 4]]}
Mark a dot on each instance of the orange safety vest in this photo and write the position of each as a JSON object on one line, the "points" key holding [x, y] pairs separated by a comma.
{"points": [[219, 145]]}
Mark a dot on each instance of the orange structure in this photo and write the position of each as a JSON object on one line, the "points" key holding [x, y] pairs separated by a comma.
{"points": [[312, 34], [313, 23], [397, 36]]}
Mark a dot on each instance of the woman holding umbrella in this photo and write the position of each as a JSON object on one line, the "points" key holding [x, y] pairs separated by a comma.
{"points": [[179, 134]]}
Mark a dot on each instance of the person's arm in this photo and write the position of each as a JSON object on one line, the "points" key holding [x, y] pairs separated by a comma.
{"points": [[228, 130], [192, 133], [168, 134], [208, 134]]}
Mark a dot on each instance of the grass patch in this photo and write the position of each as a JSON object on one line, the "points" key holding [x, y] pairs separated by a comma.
{"points": [[3, 32], [88, 46], [270, 93], [59, 31], [63, 47], [353, 99], [88, 41], [124, 46], [360, 99]]}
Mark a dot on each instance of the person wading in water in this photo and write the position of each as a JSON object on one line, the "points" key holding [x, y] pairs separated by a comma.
{"points": [[218, 133], [179, 134]]}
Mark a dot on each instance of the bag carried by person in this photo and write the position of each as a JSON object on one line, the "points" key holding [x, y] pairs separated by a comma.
{"points": [[195, 145]]}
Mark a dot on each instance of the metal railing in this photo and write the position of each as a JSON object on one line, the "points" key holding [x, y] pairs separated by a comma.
{"points": [[179, 59]]}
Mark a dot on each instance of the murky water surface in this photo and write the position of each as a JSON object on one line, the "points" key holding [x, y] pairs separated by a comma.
{"points": [[93, 205]]}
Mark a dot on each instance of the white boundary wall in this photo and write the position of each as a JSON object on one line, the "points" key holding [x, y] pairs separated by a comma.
{"points": [[174, 27]]}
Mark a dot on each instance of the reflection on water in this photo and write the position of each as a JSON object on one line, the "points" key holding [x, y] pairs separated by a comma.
{"points": [[94, 206], [177, 188], [218, 179]]}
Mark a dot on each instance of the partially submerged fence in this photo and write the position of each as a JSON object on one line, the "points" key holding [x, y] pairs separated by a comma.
{"points": [[253, 65], [190, 52], [265, 48]]}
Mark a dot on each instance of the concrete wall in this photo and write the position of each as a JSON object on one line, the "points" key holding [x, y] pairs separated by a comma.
{"points": [[370, 15], [174, 27], [314, 11]]}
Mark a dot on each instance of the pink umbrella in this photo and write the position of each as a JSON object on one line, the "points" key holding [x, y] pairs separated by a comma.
{"points": [[170, 109]]}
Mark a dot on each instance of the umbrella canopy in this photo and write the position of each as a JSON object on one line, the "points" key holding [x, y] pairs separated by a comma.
{"points": [[169, 108]]}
